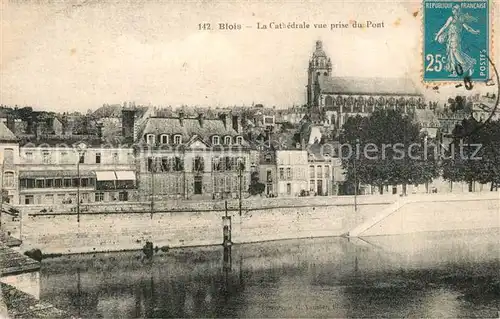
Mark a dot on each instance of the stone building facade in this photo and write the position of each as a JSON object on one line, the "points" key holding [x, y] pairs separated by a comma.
{"points": [[193, 158]]}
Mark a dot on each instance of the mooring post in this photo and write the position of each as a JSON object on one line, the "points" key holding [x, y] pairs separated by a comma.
{"points": [[226, 228]]}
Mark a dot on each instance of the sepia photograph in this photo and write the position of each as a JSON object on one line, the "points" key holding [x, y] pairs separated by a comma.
{"points": [[249, 159]]}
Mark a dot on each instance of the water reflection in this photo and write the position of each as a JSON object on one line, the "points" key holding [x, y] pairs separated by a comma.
{"points": [[428, 275]]}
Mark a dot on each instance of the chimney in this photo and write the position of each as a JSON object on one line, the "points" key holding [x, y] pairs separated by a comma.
{"points": [[201, 119], [223, 118], [11, 124], [236, 123], [181, 118], [128, 123]]}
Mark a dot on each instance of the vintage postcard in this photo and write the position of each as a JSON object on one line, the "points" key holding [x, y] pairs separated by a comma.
{"points": [[248, 159]]}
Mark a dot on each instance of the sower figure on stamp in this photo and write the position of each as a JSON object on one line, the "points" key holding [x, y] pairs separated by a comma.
{"points": [[451, 33]]}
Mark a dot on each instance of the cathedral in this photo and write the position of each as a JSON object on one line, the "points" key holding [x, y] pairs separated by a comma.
{"points": [[331, 100]]}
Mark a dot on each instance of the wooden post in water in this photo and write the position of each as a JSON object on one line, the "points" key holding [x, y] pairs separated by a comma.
{"points": [[226, 228]]}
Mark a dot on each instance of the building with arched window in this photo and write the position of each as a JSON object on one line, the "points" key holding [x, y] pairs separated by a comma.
{"points": [[331, 99]]}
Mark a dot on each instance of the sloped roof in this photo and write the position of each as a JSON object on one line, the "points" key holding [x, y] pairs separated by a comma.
{"points": [[359, 85], [189, 127], [323, 152], [6, 135]]}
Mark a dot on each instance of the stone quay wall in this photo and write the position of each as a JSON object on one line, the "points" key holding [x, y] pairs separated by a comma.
{"points": [[184, 224], [172, 224]]}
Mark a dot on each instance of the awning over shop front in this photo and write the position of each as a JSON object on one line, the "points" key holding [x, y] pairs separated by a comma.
{"points": [[125, 175], [105, 175]]}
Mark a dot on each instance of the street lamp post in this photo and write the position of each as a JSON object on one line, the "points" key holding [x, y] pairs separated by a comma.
{"points": [[81, 152], [153, 168], [355, 179], [241, 166]]}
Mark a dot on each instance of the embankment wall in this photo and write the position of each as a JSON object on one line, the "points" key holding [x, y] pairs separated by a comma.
{"points": [[439, 213], [179, 226], [199, 224]]}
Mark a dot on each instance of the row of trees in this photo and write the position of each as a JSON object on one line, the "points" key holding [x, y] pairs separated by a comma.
{"points": [[478, 155], [389, 148]]}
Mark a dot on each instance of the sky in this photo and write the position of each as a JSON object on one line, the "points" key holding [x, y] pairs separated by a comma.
{"points": [[77, 55]]}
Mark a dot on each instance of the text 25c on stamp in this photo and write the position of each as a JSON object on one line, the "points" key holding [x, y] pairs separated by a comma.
{"points": [[456, 40]]}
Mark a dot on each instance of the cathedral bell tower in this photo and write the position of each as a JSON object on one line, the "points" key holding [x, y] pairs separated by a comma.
{"points": [[320, 66]]}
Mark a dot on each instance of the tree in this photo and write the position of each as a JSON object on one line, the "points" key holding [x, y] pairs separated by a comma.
{"points": [[460, 103], [473, 155], [390, 150], [256, 187]]}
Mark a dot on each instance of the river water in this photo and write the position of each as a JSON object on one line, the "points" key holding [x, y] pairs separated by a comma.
{"points": [[429, 275]]}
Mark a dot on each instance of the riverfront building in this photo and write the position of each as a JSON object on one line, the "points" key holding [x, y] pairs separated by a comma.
{"points": [[192, 158]]}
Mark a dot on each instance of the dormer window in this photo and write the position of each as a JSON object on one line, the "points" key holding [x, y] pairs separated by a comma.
{"points": [[215, 140], [177, 139], [150, 139], [227, 140], [164, 139], [239, 140]]}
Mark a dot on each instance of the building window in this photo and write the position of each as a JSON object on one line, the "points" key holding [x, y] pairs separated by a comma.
{"points": [[288, 173], [123, 196], [178, 164], [29, 156], [67, 182], [239, 140], [8, 156], [228, 184], [289, 189], [151, 162], [165, 164], [29, 200], [30, 183], [84, 182], [269, 176], [45, 157], [98, 158], [164, 139], [99, 197], [198, 165], [216, 164], [311, 171], [268, 158], [150, 139], [227, 140], [215, 140], [115, 158], [177, 140], [319, 172], [82, 159], [49, 183], [58, 183], [40, 183], [282, 173], [327, 171], [311, 185], [8, 181]]}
